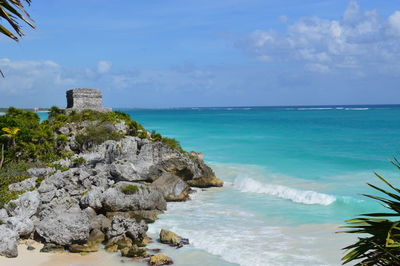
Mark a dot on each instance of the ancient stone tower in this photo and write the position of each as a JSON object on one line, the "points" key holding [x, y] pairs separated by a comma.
{"points": [[81, 99]]}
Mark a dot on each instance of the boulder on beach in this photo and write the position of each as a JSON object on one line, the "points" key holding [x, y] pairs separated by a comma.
{"points": [[172, 239], [160, 259]]}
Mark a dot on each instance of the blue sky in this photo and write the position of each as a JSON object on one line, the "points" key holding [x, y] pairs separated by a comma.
{"points": [[177, 53]]}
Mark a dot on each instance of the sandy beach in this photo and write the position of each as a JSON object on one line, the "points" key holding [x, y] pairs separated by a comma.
{"points": [[37, 258]]}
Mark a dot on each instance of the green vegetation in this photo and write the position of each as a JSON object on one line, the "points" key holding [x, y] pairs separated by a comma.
{"points": [[78, 161], [30, 143], [173, 143], [129, 189], [381, 246], [95, 135], [38, 181], [13, 12]]}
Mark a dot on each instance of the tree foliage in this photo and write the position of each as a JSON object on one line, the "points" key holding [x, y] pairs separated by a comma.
{"points": [[13, 12], [380, 240]]}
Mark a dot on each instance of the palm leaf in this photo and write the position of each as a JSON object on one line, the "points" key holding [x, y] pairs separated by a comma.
{"points": [[381, 244]]}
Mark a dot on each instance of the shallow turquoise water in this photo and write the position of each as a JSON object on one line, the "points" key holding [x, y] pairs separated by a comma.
{"points": [[292, 175]]}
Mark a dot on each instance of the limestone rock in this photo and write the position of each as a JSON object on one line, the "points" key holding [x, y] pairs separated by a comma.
{"points": [[172, 187], [205, 182], [23, 185], [25, 206], [52, 248], [75, 248], [134, 252], [63, 225], [8, 242], [160, 259], [93, 198], [96, 237], [120, 242], [100, 222], [168, 237], [149, 216], [40, 172], [141, 198], [3, 215], [125, 171], [23, 226], [128, 227]]}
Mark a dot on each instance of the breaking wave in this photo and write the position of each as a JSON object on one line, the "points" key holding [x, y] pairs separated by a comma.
{"points": [[295, 195]]}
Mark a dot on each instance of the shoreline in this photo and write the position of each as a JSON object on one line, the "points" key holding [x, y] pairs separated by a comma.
{"points": [[37, 258]]}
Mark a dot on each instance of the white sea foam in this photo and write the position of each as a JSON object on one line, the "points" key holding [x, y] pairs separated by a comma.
{"points": [[295, 195], [356, 109], [314, 108], [240, 236]]}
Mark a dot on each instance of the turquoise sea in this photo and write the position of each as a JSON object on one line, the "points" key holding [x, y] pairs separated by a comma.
{"points": [[292, 176]]}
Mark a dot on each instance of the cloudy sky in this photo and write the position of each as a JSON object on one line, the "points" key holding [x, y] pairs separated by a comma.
{"points": [[178, 53]]}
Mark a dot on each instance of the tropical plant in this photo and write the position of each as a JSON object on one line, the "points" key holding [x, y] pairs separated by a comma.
{"points": [[12, 11], [381, 245], [2, 156], [11, 133]]}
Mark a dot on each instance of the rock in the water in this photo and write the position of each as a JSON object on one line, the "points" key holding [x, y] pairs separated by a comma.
{"points": [[127, 196], [63, 225], [168, 237], [172, 187], [172, 239], [8, 242], [160, 259], [205, 182], [128, 227]]}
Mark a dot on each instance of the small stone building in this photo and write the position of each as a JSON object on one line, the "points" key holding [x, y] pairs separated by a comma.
{"points": [[81, 99]]}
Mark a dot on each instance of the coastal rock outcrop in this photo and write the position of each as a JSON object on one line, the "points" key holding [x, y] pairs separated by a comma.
{"points": [[172, 239], [172, 187], [160, 259], [63, 224], [102, 194]]}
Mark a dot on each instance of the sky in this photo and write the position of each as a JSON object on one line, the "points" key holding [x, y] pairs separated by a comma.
{"points": [[190, 53]]}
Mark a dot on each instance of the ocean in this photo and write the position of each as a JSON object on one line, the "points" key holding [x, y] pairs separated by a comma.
{"points": [[292, 176]]}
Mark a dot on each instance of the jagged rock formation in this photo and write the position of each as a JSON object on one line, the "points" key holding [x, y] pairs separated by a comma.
{"points": [[81, 99], [109, 197]]}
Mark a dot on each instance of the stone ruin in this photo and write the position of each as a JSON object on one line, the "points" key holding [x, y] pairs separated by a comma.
{"points": [[82, 99]]}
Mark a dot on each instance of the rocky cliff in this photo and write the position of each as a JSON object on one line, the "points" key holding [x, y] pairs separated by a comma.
{"points": [[104, 194]]}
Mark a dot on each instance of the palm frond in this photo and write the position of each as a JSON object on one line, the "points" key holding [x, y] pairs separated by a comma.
{"points": [[381, 246]]}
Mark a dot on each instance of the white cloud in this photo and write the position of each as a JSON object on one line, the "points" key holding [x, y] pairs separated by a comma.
{"points": [[103, 67], [394, 22], [360, 40]]}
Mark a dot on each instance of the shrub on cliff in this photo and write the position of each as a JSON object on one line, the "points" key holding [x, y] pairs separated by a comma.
{"points": [[380, 240], [95, 135]]}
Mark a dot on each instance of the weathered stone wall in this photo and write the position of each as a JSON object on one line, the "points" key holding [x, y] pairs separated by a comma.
{"points": [[80, 99]]}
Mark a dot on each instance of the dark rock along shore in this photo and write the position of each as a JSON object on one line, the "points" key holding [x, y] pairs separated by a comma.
{"points": [[118, 187]]}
